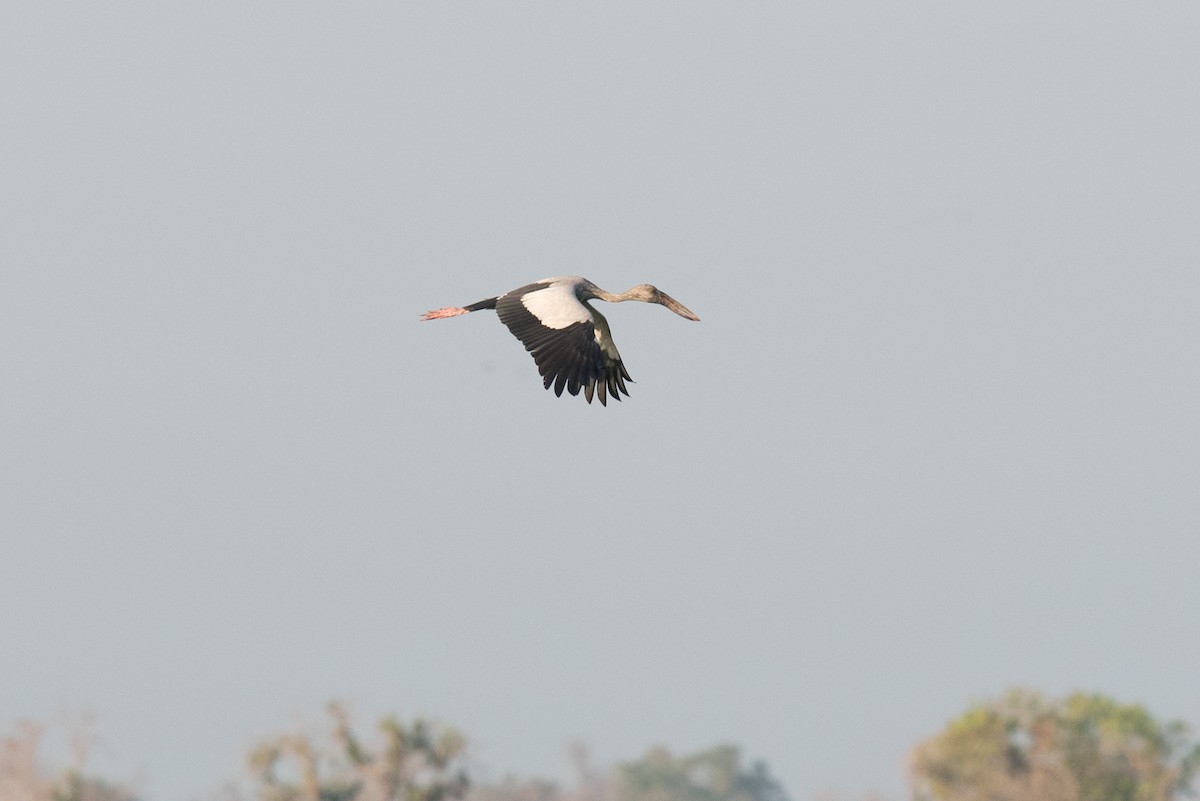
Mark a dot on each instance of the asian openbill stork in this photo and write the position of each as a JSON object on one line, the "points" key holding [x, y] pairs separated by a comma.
{"points": [[570, 341]]}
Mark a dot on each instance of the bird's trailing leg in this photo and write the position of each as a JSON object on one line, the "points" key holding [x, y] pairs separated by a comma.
{"points": [[448, 311]]}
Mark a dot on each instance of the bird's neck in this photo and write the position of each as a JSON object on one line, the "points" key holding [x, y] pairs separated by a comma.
{"points": [[612, 297]]}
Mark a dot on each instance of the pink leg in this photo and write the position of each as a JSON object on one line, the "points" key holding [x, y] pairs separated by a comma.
{"points": [[449, 311]]}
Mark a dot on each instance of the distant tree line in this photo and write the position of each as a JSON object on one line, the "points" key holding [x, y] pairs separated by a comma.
{"points": [[1026, 747], [25, 777], [1023, 747]]}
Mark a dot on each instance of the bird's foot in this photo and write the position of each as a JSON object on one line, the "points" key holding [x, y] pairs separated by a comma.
{"points": [[449, 311]]}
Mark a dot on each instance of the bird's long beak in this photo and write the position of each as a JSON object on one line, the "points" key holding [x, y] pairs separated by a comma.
{"points": [[676, 306]]}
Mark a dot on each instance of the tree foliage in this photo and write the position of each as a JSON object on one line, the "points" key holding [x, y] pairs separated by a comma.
{"points": [[418, 762], [25, 776], [713, 775], [1030, 748]]}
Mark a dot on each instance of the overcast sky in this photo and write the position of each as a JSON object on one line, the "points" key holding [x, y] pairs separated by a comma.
{"points": [[936, 434]]}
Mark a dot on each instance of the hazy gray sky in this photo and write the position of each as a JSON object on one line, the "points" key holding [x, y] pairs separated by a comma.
{"points": [[935, 436]]}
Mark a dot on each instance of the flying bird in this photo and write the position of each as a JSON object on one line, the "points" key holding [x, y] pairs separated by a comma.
{"points": [[570, 341]]}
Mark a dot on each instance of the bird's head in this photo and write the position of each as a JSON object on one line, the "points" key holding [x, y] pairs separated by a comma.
{"points": [[652, 294]]}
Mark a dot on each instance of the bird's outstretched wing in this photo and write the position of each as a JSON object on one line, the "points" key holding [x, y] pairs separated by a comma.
{"points": [[560, 331]]}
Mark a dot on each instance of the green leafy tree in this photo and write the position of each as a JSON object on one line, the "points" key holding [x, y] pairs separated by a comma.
{"points": [[714, 775], [418, 762], [25, 776], [1026, 747]]}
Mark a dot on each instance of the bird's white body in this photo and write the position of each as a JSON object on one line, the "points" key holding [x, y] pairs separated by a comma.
{"points": [[570, 341], [557, 306]]}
